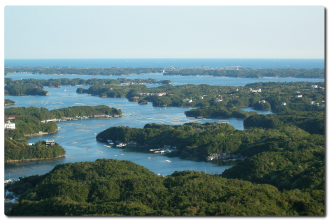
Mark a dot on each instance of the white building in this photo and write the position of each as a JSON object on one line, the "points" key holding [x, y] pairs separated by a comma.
{"points": [[299, 96], [255, 91], [283, 104], [10, 126]]}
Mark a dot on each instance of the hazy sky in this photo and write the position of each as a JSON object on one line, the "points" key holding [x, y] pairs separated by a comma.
{"points": [[164, 32]]}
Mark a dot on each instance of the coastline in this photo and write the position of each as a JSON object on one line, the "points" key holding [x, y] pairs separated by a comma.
{"points": [[10, 161]]}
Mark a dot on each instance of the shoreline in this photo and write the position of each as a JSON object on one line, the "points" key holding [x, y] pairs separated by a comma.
{"points": [[10, 161]]}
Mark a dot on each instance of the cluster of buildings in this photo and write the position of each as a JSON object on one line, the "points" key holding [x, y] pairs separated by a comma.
{"points": [[165, 149], [255, 91], [150, 94]]}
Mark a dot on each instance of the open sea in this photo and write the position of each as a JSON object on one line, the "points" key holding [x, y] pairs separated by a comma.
{"points": [[168, 62]]}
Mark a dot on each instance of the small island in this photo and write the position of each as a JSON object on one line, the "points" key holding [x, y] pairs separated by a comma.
{"points": [[9, 102]]}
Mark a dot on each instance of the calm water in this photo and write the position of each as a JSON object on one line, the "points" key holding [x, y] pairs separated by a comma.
{"points": [[84, 131]]}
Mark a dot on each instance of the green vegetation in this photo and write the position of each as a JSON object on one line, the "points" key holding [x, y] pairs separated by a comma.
{"points": [[122, 188], [82, 71], [246, 72], [250, 73], [9, 102], [78, 81], [272, 95], [219, 112], [37, 86], [24, 89], [15, 151], [310, 121], [44, 114], [29, 125]]}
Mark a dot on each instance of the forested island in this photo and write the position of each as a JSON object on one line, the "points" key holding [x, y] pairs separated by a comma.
{"points": [[9, 102], [110, 187], [275, 96], [219, 112], [248, 72], [19, 89], [37, 86], [16, 151], [74, 111], [217, 72], [82, 71]]}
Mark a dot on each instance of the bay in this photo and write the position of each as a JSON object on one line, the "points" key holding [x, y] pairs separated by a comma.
{"points": [[134, 115]]}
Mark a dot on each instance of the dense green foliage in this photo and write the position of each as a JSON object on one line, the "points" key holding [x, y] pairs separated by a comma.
{"points": [[9, 102], [250, 73], [289, 164], [217, 111], [24, 89], [272, 95], [78, 81], [243, 72], [122, 188], [82, 71], [310, 121], [22, 151], [43, 113], [29, 125]]}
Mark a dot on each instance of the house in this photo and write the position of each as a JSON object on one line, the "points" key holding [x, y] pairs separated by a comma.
{"points": [[262, 102], [283, 104], [218, 99], [299, 96], [10, 126], [201, 97], [315, 86], [255, 91], [312, 102], [187, 100], [50, 142]]}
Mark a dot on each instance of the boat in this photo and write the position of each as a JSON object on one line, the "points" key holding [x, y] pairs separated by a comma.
{"points": [[168, 161], [99, 151], [149, 157], [74, 142], [85, 148], [122, 154], [115, 155]]}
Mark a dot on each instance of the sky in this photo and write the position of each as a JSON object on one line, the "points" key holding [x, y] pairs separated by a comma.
{"points": [[57, 32]]}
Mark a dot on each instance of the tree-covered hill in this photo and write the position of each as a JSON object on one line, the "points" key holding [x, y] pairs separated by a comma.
{"points": [[249, 72], [121, 188], [43, 113], [15, 151]]}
